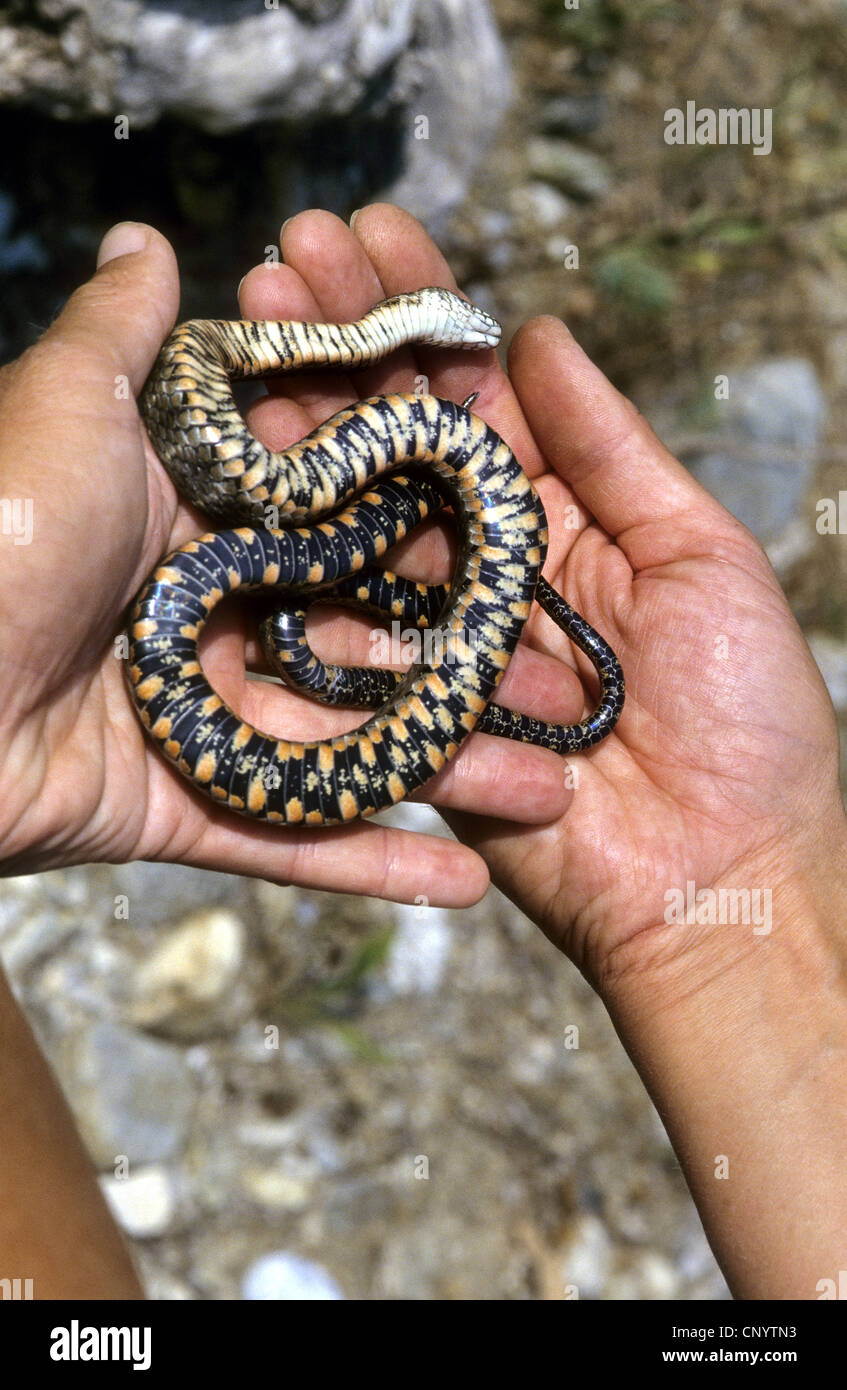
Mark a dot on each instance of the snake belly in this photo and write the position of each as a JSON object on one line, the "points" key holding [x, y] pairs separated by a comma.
{"points": [[200, 437]]}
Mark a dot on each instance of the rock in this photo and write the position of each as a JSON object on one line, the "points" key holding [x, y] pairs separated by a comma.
{"points": [[648, 1275], [83, 59], [188, 986], [587, 1257], [576, 115], [533, 1063], [143, 1204], [540, 204], [282, 1276], [131, 1095], [270, 1188], [793, 544], [772, 423], [37, 936], [567, 166], [21, 897], [415, 66], [457, 55], [164, 892], [420, 950]]}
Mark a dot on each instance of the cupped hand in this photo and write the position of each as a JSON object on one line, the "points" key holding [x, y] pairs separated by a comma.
{"points": [[87, 512], [723, 770]]}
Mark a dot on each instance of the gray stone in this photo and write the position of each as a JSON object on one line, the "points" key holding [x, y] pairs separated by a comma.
{"points": [[586, 1259], [568, 167], [456, 55], [39, 935], [576, 115], [282, 1276], [540, 204], [420, 949], [224, 66], [131, 1095], [189, 984], [766, 445], [143, 1203], [164, 892]]}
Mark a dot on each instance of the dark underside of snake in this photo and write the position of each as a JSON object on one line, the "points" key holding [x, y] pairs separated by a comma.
{"points": [[313, 523]]}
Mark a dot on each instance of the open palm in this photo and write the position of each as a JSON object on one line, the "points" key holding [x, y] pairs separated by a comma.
{"points": [[727, 748], [81, 780]]}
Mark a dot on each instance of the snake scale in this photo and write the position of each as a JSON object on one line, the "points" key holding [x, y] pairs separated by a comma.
{"points": [[312, 522]]}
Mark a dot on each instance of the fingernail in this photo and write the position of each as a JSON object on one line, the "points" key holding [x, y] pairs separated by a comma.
{"points": [[283, 227], [240, 283], [353, 217], [122, 240]]}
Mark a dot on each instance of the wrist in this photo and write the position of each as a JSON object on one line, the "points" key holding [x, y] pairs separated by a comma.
{"points": [[741, 1038], [790, 898]]}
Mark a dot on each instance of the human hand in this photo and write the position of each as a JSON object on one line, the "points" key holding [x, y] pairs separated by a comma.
{"points": [[722, 772], [727, 747], [81, 780]]}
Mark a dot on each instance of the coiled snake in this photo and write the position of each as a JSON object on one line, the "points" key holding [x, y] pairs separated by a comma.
{"points": [[446, 454]]}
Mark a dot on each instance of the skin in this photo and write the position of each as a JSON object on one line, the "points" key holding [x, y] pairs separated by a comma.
{"points": [[723, 770]]}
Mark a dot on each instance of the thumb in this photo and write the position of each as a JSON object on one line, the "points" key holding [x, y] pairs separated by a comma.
{"points": [[125, 311]]}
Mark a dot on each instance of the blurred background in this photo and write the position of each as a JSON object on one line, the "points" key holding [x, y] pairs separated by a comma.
{"points": [[293, 1094]]}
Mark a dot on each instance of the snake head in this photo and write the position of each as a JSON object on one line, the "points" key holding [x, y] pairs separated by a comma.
{"points": [[442, 319]]}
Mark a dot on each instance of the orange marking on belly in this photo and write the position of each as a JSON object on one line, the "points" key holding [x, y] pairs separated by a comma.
{"points": [[396, 786], [204, 770]]}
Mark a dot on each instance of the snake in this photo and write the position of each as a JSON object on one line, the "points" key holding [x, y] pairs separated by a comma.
{"points": [[310, 524]]}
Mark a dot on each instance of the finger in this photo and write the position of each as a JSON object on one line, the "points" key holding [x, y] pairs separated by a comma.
{"points": [[599, 443], [404, 257], [126, 309], [325, 278], [478, 772], [473, 778], [537, 780], [279, 292], [326, 254], [536, 682], [337, 264], [366, 859]]}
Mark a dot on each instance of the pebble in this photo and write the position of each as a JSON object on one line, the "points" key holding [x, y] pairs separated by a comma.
{"points": [[541, 204], [283, 1276], [580, 115], [567, 166], [191, 973], [587, 1257], [776, 410], [34, 937], [144, 1203], [163, 892], [131, 1095], [274, 1189], [420, 950]]}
